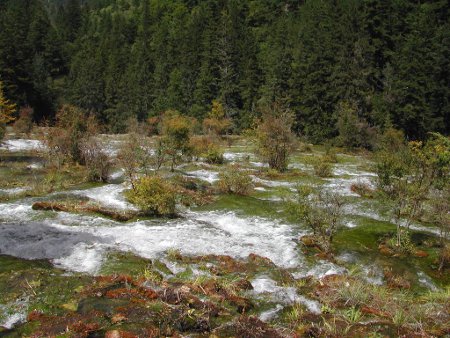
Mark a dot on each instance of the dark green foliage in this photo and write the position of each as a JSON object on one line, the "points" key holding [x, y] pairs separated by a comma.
{"points": [[138, 58]]}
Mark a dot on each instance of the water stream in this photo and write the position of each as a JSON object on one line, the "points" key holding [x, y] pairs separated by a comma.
{"points": [[81, 242]]}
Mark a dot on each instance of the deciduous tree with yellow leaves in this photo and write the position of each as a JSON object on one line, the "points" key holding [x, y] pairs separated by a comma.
{"points": [[7, 110]]}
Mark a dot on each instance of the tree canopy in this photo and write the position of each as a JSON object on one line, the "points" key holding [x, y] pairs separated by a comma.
{"points": [[118, 59]]}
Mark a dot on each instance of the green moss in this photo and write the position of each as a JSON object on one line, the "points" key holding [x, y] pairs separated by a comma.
{"points": [[247, 205], [124, 263], [56, 290], [364, 240], [157, 264], [9, 264]]}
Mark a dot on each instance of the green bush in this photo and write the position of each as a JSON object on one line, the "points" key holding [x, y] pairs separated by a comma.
{"points": [[322, 167], [235, 181], [153, 196], [214, 155]]}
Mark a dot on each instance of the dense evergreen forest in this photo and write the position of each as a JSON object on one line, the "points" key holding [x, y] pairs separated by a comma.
{"points": [[378, 62]]}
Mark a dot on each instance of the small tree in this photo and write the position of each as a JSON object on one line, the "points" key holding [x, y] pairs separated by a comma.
{"points": [[391, 160], [407, 172], [274, 138], [64, 140], [322, 211], [135, 156], [72, 128], [216, 123], [24, 124], [96, 160], [354, 131], [7, 109], [235, 181], [176, 132], [347, 124]]}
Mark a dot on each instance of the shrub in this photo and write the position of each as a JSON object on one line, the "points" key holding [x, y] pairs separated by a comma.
{"points": [[58, 146], [322, 211], [65, 139], [72, 121], [216, 123], [444, 257], [135, 156], [214, 155], [322, 167], [274, 138], [24, 124], [235, 181], [407, 172], [362, 189], [153, 196], [134, 126], [440, 216], [199, 145], [207, 147], [305, 147], [402, 244], [330, 153], [96, 160], [176, 132]]}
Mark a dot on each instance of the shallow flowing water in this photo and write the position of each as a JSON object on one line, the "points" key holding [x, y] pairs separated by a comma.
{"points": [[81, 242]]}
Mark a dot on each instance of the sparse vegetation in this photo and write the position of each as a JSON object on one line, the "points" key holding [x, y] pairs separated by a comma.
{"points": [[135, 157], [96, 160], [235, 181], [321, 211], [322, 166]]}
